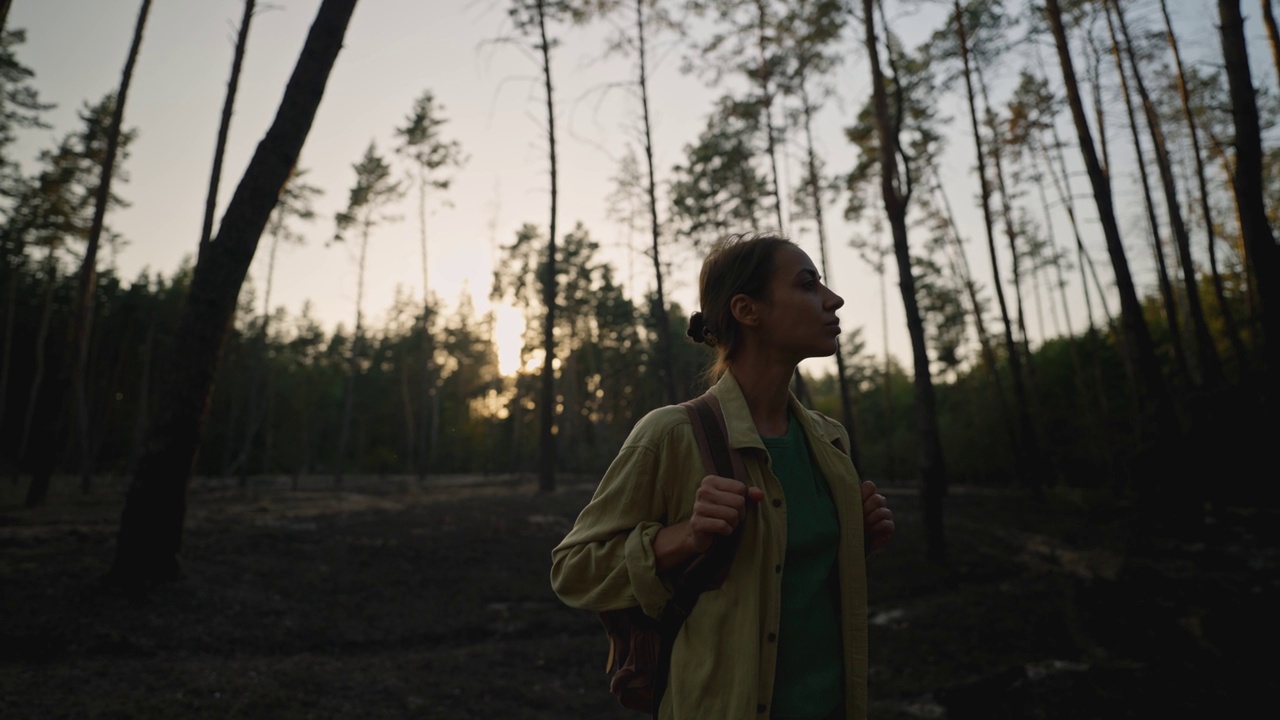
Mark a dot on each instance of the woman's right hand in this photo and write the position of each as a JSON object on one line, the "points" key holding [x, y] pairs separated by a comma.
{"points": [[719, 505]]}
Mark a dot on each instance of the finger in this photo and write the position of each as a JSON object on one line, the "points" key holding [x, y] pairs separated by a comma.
{"points": [[715, 511], [868, 489], [724, 484], [874, 502], [871, 519], [711, 496], [710, 525], [755, 494]]}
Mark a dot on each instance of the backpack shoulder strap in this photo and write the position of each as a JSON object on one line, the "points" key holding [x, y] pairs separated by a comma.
{"points": [[713, 437], [710, 569]]}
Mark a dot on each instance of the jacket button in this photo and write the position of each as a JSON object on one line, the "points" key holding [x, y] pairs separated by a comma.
{"points": [[777, 568], [773, 637], [760, 708], [777, 502]]}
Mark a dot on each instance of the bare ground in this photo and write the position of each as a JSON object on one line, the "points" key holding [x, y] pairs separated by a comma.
{"points": [[390, 599]]}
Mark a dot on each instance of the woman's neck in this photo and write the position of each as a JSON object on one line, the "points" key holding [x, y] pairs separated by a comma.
{"points": [[766, 386]]}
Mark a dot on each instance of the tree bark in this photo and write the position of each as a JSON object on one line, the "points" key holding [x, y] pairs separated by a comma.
{"points": [[150, 535], [1023, 439], [1228, 317], [815, 197], [932, 470], [1208, 362], [1263, 255], [1158, 425], [665, 351], [353, 362], [1273, 34], [69, 380], [1157, 244], [547, 411], [228, 103]]}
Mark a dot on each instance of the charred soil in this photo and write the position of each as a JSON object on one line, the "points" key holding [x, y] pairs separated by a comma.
{"points": [[394, 599]]}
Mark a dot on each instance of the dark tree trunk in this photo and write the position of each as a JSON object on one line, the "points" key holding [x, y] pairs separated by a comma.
{"points": [[1157, 244], [42, 414], [228, 103], [1158, 423], [1208, 362], [547, 411], [932, 470], [1263, 255], [151, 524], [960, 266], [665, 352], [766, 96], [71, 377], [10, 308], [1219, 290], [353, 364], [1023, 439], [1273, 34], [815, 197]]}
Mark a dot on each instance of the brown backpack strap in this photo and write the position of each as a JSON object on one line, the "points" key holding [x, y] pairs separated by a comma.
{"points": [[708, 570]]}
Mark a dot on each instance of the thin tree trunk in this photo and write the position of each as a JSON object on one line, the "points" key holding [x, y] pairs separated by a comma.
{"points": [[38, 490], [960, 266], [1273, 34], [1157, 243], [87, 282], [4, 13], [766, 96], [665, 351], [144, 400], [1137, 338], [406, 400], [253, 413], [71, 377], [815, 197], [228, 103], [891, 472], [547, 457], [151, 524], [428, 347], [10, 305], [932, 470], [1209, 364], [1024, 441], [1029, 412], [1067, 194], [1228, 317], [1263, 254], [1158, 422], [353, 363]]}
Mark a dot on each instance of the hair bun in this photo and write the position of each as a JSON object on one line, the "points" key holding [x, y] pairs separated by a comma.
{"points": [[697, 327]]}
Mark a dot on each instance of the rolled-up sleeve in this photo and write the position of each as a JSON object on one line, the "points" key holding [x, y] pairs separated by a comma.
{"points": [[607, 562]]}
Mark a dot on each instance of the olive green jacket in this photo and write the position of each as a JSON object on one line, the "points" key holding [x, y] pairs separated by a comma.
{"points": [[723, 662]]}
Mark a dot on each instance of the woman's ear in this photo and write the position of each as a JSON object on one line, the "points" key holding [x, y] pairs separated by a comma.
{"points": [[744, 310]]}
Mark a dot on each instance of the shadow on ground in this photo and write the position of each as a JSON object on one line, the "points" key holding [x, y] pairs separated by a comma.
{"points": [[393, 599]]}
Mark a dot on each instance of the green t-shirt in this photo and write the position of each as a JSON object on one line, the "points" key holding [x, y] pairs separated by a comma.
{"points": [[810, 661]]}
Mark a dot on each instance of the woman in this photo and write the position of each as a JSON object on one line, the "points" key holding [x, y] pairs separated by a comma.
{"points": [[785, 636]]}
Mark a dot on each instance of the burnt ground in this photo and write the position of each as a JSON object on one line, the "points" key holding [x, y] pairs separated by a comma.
{"points": [[389, 599]]}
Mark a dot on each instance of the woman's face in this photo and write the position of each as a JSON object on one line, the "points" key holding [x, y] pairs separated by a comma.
{"points": [[798, 318]]}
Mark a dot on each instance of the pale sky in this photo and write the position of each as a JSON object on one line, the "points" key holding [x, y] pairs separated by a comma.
{"points": [[493, 99]]}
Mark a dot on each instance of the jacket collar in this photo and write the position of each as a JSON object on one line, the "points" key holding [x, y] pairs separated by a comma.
{"points": [[742, 429]]}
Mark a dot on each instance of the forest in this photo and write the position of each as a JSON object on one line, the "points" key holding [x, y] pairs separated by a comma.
{"points": [[1160, 396]]}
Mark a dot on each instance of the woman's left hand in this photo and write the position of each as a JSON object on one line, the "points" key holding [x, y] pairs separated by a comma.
{"points": [[877, 518]]}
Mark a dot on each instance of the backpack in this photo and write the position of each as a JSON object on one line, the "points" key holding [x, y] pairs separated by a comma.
{"points": [[639, 645]]}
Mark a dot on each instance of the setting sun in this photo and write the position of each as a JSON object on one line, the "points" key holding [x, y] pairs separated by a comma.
{"points": [[508, 335]]}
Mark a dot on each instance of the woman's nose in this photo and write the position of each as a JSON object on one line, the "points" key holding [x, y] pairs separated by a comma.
{"points": [[834, 302]]}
